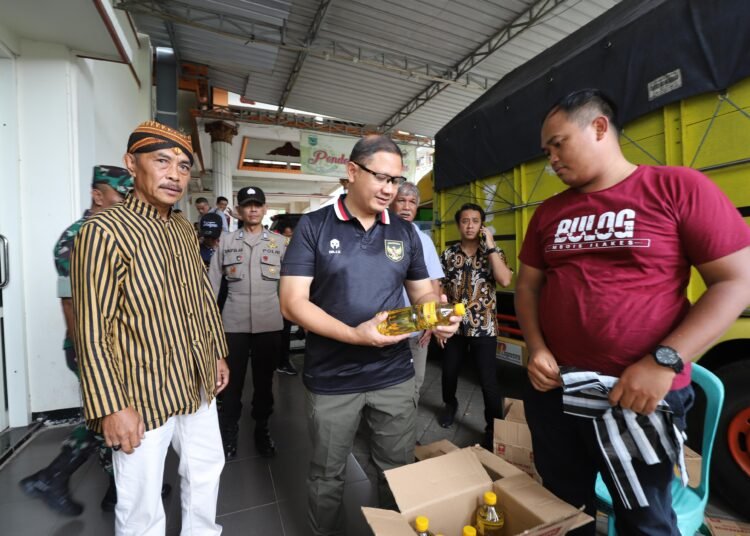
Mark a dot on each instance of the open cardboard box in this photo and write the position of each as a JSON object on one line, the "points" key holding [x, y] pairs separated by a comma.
{"points": [[512, 443], [512, 439], [512, 351], [727, 527], [448, 485], [693, 462], [514, 411]]}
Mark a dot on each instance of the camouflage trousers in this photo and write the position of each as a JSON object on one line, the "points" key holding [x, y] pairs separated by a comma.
{"points": [[82, 441]]}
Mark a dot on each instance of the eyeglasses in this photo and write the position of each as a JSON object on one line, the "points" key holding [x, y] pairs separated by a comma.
{"points": [[382, 177]]}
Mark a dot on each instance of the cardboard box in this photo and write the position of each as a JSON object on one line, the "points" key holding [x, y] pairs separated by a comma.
{"points": [[693, 462], [512, 439], [447, 489], [512, 351], [512, 442], [514, 411], [727, 527], [433, 450]]}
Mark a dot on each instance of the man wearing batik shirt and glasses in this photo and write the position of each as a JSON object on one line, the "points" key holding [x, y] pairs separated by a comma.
{"points": [[150, 340], [472, 268]]}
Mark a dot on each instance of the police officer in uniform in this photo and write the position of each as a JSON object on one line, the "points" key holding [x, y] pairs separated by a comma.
{"points": [[249, 259]]}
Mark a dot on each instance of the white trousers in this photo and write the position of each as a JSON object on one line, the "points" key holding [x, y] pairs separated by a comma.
{"points": [[138, 476]]}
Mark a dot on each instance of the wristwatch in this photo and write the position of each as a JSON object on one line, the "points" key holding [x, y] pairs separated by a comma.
{"points": [[492, 250], [668, 357]]}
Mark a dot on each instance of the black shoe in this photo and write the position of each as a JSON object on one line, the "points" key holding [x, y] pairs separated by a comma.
{"points": [[229, 440], [447, 415], [51, 483], [263, 440], [287, 369], [55, 494]]}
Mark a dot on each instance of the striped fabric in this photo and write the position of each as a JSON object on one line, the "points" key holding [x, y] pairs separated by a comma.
{"points": [[148, 332], [623, 434]]}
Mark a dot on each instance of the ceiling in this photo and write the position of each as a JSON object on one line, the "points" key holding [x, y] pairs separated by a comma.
{"points": [[61, 23], [408, 65]]}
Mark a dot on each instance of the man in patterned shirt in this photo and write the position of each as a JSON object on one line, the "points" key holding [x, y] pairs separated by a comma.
{"points": [[472, 268], [110, 186], [150, 340]]}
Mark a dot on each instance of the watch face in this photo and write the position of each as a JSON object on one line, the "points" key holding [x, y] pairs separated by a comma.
{"points": [[666, 356]]}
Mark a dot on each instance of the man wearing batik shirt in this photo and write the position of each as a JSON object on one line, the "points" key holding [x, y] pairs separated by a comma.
{"points": [[472, 268], [109, 186], [150, 340]]}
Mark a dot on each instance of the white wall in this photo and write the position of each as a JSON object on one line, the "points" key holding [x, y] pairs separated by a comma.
{"points": [[84, 136], [47, 106], [119, 103], [9, 40], [14, 339], [73, 114]]}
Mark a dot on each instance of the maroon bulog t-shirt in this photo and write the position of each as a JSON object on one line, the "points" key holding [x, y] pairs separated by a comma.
{"points": [[617, 263]]}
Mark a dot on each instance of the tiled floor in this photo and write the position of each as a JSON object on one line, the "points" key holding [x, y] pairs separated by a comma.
{"points": [[257, 496]]}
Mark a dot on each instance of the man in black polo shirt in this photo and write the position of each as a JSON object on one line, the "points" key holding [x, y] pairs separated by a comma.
{"points": [[345, 265]]}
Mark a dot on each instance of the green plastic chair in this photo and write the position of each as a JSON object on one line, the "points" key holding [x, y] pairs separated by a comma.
{"points": [[688, 503]]}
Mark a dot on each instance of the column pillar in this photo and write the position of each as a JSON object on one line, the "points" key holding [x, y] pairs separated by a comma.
{"points": [[221, 145]]}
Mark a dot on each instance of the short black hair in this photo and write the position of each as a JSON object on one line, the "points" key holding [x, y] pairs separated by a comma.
{"points": [[375, 143], [469, 206], [201, 200], [220, 199], [581, 106]]}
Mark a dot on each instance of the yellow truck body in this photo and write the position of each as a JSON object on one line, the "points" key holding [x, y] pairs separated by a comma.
{"points": [[709, 132]]}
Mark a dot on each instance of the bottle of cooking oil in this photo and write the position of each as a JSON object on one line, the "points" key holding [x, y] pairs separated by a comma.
{"points": [[490, 520], [422, 524], [469, 531], [419, 317]]}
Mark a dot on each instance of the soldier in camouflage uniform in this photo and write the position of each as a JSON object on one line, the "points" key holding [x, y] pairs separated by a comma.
{"points": [[110, 185]]}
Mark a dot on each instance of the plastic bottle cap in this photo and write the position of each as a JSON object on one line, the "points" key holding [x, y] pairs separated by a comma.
{"points": [[459, 309], [422, 524], [490, 498], [469, 531]]}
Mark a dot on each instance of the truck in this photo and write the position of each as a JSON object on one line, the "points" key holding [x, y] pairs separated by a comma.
{"points": [[670, 121]]}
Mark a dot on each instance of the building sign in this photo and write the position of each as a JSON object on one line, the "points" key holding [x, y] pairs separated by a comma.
{"points": [[323, 154]]}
